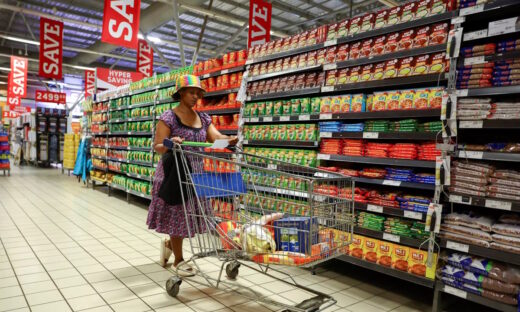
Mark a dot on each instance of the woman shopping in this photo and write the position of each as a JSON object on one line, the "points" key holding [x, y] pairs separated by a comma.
{"points": [[180, 124]]}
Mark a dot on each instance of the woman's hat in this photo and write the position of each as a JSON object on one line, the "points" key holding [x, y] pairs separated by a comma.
{"points": [[186, 81]]}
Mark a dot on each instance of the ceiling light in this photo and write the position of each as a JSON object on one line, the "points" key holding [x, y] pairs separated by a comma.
{"points": [[154, 39], [140, 36], [20, 40], [82, 67]]}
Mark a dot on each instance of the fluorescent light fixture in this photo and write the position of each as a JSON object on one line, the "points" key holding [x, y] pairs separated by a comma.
{"points": [[140, 36], [5, 69], [82, 67], [1, 82], [20, 39], [154, 39]]}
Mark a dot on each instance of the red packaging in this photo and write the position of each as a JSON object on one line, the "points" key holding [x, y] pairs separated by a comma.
{"points": [[270, 67], [366, 46], [379, 46], [394, 15], [439, 34], [423, 9], [278, 46], [438, 63], [367, 72], [343, 29], [294, 42], [204, 84], [320, 58], [231, 99], [408, 12], [211, 83], [422, 37], [320, 80], [225, 59], [379, 70], [310, 80], [422, 63], [392, 42], [286, 43], [342, 76], [302, 60], [354, 74], [302, 41], [342, 54], [330, 56], [311, 38], [331, 79], [355, 26], [355, 50], [381, 19], [332, 31], [367, 22], [241, 57], [321, 35], [224, 84], [312, 58], [405, 66], [391, 68], [278, 65], [406, 41], [294, 62], [286, 65]]}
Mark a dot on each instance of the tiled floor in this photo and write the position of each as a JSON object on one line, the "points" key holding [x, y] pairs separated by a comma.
{"points": [[68, 248]]}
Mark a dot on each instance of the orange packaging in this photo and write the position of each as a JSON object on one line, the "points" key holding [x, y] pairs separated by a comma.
{"points": [[241, 56], [379, 46], [233, 80], [400, 258], [355, 50], [405, 66], [422, 37], [325, 104], [215, 121], [422, 63], [417, 261], [354, 74], [367, 72], [231, 99], [436, 97], [225, 59], [384, 253], [381, 19], [392, 100], [406, 99], [356, 247], [366, 47], [370, 250], [225, 81], [421, 99], [219, 82], [391, 68], [335, 104], [379, 70], [355, 26], [406, 41], [211, 83], [342, 76]]}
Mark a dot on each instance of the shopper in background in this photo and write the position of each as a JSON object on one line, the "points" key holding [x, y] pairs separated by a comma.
{"points": [[179, 124]]}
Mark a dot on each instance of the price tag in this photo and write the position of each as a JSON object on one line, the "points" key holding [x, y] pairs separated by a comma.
{"points": [[325, 116], [374, 208], [330, 66], [460, 200], [139, 176], [474, 60], [458, 20], [248, 98], [462, 92], [249, 62], [327, 89], [392, 237], [497, 204], [324, 156], [254, 119], [325, 134], [246, 142], [268, 119], [475, 35], [504, 26], [370, 135], [457, 246], [392, 182], [471, 10], [456, 292], [329, 43], [321, 174], [304, 117], [205, 76], [225, 71], [471, 154], [285, 118], [412, 215], [272, 166], [471, 124]]}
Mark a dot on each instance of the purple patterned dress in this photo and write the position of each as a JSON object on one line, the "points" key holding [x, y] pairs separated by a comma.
{"points": [[170, 219]]}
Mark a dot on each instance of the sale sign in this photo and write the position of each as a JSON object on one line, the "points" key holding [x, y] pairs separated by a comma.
{"points": [[51, 48], [10, 114], [121, 22], [90, 83], [13, 100], [18, 80], [111, 78], [259, 22], [144, 58], [20, 109], [49, 96]]}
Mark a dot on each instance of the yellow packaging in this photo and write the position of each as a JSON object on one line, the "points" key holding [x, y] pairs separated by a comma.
{"points": [[400, 258], [335, 106], [392, 100], [436, 97], [417, 263], [345, 102], [325, 105], [379, 101], [370, 250], [356, 248], [384, 253], [421, 99], [370, 102], [406, 99]]}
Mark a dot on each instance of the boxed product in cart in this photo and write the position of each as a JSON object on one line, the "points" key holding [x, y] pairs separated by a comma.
{"points": [[300, 238]]}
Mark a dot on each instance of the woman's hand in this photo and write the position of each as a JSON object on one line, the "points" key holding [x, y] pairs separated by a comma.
{"points": [[177, 139], [233, 141]]}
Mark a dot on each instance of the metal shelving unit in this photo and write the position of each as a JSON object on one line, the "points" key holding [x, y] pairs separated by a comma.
{"points": [[378, 161]]}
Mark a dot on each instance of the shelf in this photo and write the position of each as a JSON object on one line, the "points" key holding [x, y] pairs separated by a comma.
{"points": [[419, 136], [118, 108], [280, 143], [138, 176], [502, 27], [98, 146], [140, 105], [152, 88], [286, 53], [412, 242], [379, 161], [98, 168], [279, 191], [165, 101], [131, 148], [485, 10], [285, 72], [489, 156], [411, 113], [141, 163], [117, 171], [420, 186], [121, 160], [423, 281], [229, 132], [485, 252], [493, 304], [396, 212], [233, 110], [98, 180], [284, 94], [98, 157], [491, 203], [399, 82], [139, 194], [100, 111], [94, 133], [385, 57], [130, 133], [223, 72], [490, 124], [507, 90], [221, 92], [98, 122], [489, 58], [118, 187], [148, 118]]}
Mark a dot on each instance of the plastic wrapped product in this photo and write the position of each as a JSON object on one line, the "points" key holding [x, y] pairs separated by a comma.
{"points": [[499, 297], [507, 174], [507, 240], [507, 229], [503, 196], [464, 239], [510, 218], [478, 234], [477, 222]]}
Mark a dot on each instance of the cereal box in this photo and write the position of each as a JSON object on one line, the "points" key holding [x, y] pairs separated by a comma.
{"points": [[320, 58], [423, 9], [436, 97], [405, 66], [335, 104], [379, 46], [355, 25], [358, 103], [441, 6], [366, 46], [302, 41], [391, 68], [367, 22], [437, 63], [408, 12], [366, 72], [312, 58], [331, 34], [294, 61], [381, 19], [369, 102], [384, 253], [356, 248], [302, 60], [331, 78], [346, 102], [394, 15], [325, 104], [422, 37], [392, 42], [417, 261], [315, 105], [343, 29], [286, 63], [400, 258], [370, 250], [439, 34], [406, 41], [330, 56], [311, 38], [422, 63], [379, 103], [343, 76], [379, 70], [355, 50], [278, 65], [392, 100], [406, 99], [355, 74], [420, 99], [342, 54]]}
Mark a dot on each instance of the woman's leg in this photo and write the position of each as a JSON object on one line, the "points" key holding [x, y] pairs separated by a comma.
{"points": [[176, 246]]}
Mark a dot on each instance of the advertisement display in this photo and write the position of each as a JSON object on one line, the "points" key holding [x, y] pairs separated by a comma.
{"points": [[110, 78], [121, 23], [51, 48], [259, 22]]}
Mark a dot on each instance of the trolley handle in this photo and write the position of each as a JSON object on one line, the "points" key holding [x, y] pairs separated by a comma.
{"points": [[170, 144]]}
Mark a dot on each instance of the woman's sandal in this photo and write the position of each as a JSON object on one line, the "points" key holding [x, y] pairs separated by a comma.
{"points": [[184, 269]]}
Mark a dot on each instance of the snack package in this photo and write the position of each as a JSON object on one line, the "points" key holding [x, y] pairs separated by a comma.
{"points": [[400, 258], [330, 55], [367, 22], [422, 37], [392, 100], [378, 46], [423, 9], [406, 40], [355, 50], [366, 48], [384, 253], [356, 248], [436, 97], [438, 62], [394, 15], [379, 103], [439, 34], [320, 57], [342, 76], [342, 53], [422, 63], [331, 79], [391, 68], [379, 70], [358, 103], [366, 72], [408, 12], [355, 25], [381, 19], [406, 99], [332, 31], [370, 250], [417, 263], [343, 29], [346, 103], [421, 97], [355, 74], [392, 42], [405, 66]]}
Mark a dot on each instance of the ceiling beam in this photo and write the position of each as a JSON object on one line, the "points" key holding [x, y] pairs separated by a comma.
{"points": [[175, 5]]}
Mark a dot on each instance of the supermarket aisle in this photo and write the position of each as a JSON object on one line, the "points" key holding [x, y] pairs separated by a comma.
{"points": [[65, 247]]}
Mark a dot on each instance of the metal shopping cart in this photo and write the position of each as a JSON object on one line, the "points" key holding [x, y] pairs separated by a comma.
{"points": [[252, 211]]}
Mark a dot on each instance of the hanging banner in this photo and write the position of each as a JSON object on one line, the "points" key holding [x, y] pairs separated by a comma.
{"points": [[20, 109], [12, 99], [110, 78], [51, 48], [121, 22], [144, 58], [90, 83], [18, 80], [259, 22], [51, 97]]}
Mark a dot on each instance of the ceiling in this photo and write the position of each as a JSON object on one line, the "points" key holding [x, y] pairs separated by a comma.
{"points": [[225, 30]]}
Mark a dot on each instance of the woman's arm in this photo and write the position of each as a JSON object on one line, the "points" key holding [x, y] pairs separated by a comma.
{"points": [[213, 134], [162, 131]]}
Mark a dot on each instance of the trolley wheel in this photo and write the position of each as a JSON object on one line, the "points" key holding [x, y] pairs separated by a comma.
{"points": [[232, 269], [172, 286]]}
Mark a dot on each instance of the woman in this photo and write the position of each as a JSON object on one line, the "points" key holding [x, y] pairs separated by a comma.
{"points": [[179, 124]]}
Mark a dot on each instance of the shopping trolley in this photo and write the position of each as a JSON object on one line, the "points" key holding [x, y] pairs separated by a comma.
{"points": [[260, 213]]}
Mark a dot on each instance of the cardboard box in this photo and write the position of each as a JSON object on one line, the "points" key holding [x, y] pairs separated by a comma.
{"points": [[367, 22], [408, 12], [381, 19], [394, 15], [417, 263], [355, 26], [423, 9], [301, 228]]}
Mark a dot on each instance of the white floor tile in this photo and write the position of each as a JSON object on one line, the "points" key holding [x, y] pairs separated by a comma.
{"points": [[86, 302], [99, 276], [44, 297], [77, 291], [70, 281], [8, 282], [12, 303], [160, 300], [108, 285], [136, 305], [58, 306], [37, 287], [136, 280], [12, 291], [119, 295]]}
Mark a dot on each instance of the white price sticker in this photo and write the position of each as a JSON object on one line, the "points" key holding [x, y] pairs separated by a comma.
{"points": [[474, 60], [139, 176], [205, 76], [498, 204], [479, 34], [471, 154], [327, 89], [329, 43], [268, 119], [392, 182], [471, 124], [249, 62], [462, 92], [460, 200], [225, 71], [374, 208], [392, 237], [412, 215], [325, 116], [304, 117], [325, 134], [248, 98], [324, 156], [458, 20], [330, 66], [370, 135], [285, 118], [254, 119], [471, 10], [246, 142], [455, 291], [504, 26], [457, 246], [272, 166], [321, 175]]}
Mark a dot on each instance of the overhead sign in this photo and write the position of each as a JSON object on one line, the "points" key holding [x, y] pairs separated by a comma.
{"points": [[259, 22], [51, 48], [11, 98], [90, 83], [20, 109], [111, 78], [121, 22], [18, 80], [144, 58], [51, 97]]}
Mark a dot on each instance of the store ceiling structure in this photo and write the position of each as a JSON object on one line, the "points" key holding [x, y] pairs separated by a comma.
{"points": [[225, 30]]}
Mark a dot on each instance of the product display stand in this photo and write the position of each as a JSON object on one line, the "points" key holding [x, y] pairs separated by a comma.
{"points": [[5, 151]]}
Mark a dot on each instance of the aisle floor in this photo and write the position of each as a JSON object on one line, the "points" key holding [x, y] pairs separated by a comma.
{"points": [[65, 247]]}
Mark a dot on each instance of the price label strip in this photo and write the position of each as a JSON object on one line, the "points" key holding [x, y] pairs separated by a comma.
{"points": [[374, 208], [392, 237], [412, 215], [498, 204], [370, 135], [456, 292], [457, 246], [471, 124]]}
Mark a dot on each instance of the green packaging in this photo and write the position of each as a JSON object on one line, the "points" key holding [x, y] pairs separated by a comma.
{"points": [[315, 105], [305, 106], [296, 108]]}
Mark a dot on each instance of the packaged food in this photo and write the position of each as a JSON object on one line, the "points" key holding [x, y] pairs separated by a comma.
{"points": [[331, 79], [417, 263], [394, 15], [379, 103], [440, 6], [370, 250], [420, 100], [335, 104], [422, 63], [305, 105], [320, 58], [379, 70], [439, 34], [392, 100], [346, 103], [436, 97], [325, 104], [366, 72], [391, 68], [405, 66], [342, 76], [332, 31], [330, 55], [406, 40], [408, 12], [342, 53], [311, 37], [384, 253], [438, 61], [366, 47], [358, 103], [378, 46], [367, 22], [422, 37], [355, 25], [406, 99], [343, 29], [355, 50], [423, 9], [381, 19], [354, 74], [312, 58], [356, 248], [302, 60], [315, 105], [400, 258]]}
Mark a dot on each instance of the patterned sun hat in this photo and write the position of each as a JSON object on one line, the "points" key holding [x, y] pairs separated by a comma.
{"points": [[186, 81]]}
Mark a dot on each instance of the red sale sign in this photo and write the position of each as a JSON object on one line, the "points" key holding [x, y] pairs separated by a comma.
{"points": [[144, 58], [90, 83], [10, 114], [51, 48], [18, 80], [259, 22], [49, 96], [111, 78], [14, 101], [121, 22], [20, 109]]}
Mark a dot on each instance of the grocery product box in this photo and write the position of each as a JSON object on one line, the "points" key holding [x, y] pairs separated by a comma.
{"points": [[293, 234]]}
